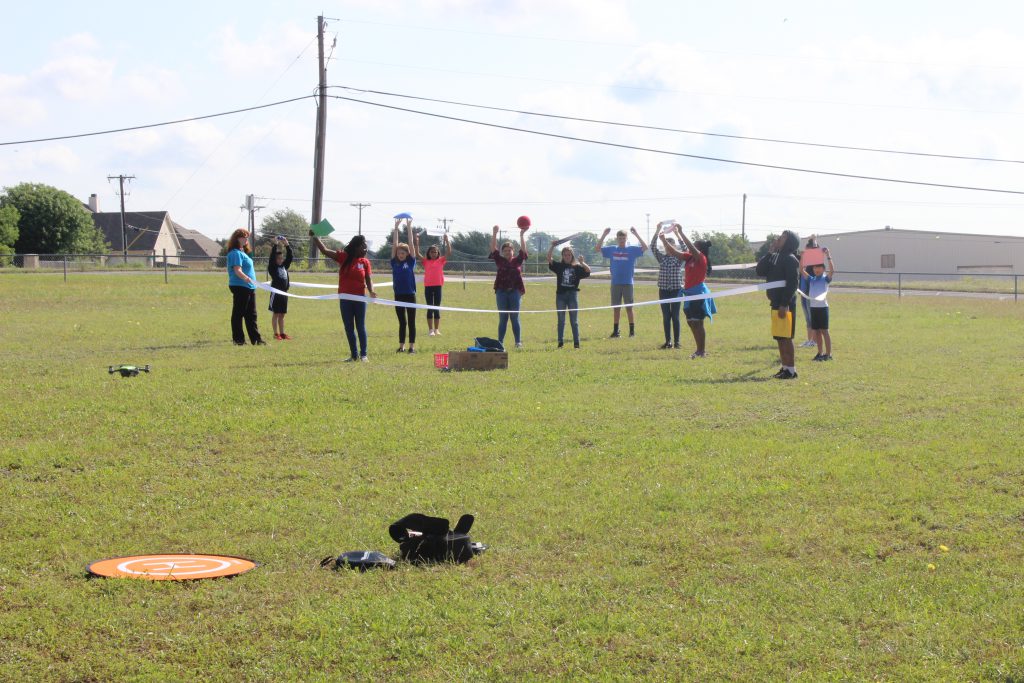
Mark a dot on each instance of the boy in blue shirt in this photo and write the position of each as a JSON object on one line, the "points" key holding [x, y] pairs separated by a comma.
{"points": [[817, 300], [622, 260]]}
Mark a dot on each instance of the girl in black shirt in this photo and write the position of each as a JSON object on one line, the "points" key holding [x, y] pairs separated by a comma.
{"points": [[277, 269]]}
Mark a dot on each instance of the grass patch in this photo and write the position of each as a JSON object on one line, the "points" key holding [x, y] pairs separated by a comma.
{"points": [[650, 517]]}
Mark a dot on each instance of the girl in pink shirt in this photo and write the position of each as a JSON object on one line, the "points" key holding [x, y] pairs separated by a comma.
{"points": [[433, 279]]}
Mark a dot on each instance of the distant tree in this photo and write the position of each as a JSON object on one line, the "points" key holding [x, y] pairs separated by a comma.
{"points": [[584, 244], [726, 248], [51, 221], [763, 249], [475, 244], [8, 232], [287, 222]]}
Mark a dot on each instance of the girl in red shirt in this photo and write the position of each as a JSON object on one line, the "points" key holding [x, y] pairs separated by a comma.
{"points": [[696, 266], [353, 278]]}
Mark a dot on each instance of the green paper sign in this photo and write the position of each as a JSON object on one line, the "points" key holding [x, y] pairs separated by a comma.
{"points": [[322, 229]]}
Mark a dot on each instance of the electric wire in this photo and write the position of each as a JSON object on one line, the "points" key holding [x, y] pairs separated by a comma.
{"points": [[562, 117], [238, 123], [155, 125], [777, 167]]}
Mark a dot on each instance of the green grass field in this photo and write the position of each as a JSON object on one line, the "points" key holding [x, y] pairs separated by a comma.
{"points": [[650, 517]]}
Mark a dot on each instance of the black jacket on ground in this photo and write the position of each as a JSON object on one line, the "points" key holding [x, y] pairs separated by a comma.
{"points": [[780, 266]]}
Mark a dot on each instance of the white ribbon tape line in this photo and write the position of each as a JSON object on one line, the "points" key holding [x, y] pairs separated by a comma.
{"points": [[748, 289]]}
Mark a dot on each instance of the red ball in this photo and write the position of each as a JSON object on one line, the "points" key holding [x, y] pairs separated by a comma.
{"points": [[523, 221]]}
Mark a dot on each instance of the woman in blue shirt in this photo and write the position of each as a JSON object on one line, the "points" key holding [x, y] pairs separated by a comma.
{"points": [[242, 283]]}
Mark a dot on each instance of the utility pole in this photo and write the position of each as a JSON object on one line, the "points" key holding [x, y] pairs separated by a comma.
{"points": [[743, 224], [360, 206], [124, 239], [444, 223], [321, 137], [250, 206]]}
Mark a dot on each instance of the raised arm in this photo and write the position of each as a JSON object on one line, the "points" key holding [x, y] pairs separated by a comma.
{"points": [[654, 244], [583, 263], [415, 246], [448, 247], [410, 237], [685, 240], [328, 253], [643, 245], [494, 238], [601, 239], [831, 266], [287, 255], [522, 242], [551, 250], [669, 249], [272, 261], [394, 239]]}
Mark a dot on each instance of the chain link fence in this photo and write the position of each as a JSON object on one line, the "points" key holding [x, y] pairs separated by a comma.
{"points": [[69, 265]]}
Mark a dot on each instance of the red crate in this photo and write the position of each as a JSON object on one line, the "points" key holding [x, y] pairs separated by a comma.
{"points": [[440, 360]]}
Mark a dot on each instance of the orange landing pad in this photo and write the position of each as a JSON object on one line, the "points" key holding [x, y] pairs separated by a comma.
{"points": [[171, 567]]}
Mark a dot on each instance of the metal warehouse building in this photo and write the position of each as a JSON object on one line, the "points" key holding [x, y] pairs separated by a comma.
{"points": [[889, 251]]}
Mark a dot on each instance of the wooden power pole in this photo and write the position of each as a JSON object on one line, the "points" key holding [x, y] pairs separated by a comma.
{"points": [[124, 238], [321, 137]]}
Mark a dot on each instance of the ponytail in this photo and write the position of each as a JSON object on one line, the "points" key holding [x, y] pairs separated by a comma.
{"points": [[704, 247]]}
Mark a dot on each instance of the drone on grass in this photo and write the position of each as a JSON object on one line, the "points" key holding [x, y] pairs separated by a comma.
{"points": [[128, 370]]}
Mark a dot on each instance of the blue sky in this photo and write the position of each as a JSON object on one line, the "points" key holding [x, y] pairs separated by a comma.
{"points": [[909, 75]]}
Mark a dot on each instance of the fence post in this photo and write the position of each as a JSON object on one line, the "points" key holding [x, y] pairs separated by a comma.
{"points": [[1015, 287], [463, 276], [899, 285], [165, 266], [65, 267]]}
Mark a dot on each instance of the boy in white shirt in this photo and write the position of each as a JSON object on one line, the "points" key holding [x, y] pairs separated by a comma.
{"points": [[817, 294]]}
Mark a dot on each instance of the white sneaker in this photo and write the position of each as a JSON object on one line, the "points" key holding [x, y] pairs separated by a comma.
{"points": [[431, 334], [808, 344], [437, 333], [519, 345]]}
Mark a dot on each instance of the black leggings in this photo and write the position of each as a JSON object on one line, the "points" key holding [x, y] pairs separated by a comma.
{"points": [[243, 307], [433, 296], [670, 314], [404, 314]]}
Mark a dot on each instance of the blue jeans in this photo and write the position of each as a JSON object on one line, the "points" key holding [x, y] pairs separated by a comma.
{"points": [[508, 300], [568, 299], [353, 315], [670, 314]]}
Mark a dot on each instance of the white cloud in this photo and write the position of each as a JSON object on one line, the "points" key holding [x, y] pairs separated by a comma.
{"points": [[44, 159], [16, 107], [152, 84], [271, 50]]}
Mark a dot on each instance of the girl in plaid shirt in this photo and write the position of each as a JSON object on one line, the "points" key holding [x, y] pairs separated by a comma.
{"points": [[670, 284]]}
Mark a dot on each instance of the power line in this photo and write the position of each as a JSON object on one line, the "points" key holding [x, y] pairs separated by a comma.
{"points": [[753, 55], [777, 167], [678, 198], [641, 88], [155, 125], [881, 150], [238, 123]]}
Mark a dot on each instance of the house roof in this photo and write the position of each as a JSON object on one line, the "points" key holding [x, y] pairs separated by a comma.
{"points": [[141, 228], [195, 243]]}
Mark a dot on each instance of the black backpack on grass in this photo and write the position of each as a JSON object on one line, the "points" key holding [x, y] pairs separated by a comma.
{"points": [[422, 539], [488, 344]]}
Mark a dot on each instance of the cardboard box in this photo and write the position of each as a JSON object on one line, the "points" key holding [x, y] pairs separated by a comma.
{"points": [[475, 360]]}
